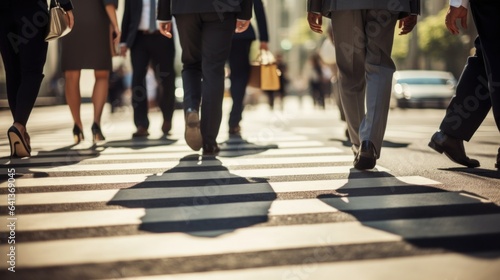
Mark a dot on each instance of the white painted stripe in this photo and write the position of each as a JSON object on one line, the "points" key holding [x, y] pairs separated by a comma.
{"points": [[152, 153], [176, 176], [227, 162], [252, 239], [429, 267], [198, 209], [196, 191]]}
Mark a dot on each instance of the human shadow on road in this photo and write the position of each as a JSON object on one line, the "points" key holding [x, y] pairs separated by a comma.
{"points": [[139, 143], [237, 146], [425, 216], [200, 197]]}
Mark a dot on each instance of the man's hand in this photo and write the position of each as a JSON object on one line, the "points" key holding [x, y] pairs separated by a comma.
{"points": [[453, 15], [407, 24], [242, 25], [123, 50], [166, 28], [315, 22]]}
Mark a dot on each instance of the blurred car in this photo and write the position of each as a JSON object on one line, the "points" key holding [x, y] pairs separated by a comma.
{"points": [[423, 88]]}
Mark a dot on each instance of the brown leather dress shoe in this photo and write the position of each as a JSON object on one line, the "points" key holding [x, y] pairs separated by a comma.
{"points": [[453, 148], [141, 132], [235, 130], [166, 127], [192, 134]]}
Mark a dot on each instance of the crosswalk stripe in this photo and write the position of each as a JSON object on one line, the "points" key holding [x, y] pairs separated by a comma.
{"points": [[472, 266], [156, 154], [165, 245], [194, 175], [200, 211], [227, 162], [197, 191]]}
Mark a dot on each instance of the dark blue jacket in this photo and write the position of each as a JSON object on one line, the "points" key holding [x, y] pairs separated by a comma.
{"points": [[260, 15]]}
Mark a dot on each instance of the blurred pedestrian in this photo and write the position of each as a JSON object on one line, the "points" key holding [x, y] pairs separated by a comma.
{"points": [[478, 88], [205, 34], [240, 64], [89, 46], [147, 46], [281, 92], [364, 31], [24, 50], [117, 88], [319, 76]]}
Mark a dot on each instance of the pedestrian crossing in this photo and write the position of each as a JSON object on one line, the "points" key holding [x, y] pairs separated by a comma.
{"points": [[281, 208]]}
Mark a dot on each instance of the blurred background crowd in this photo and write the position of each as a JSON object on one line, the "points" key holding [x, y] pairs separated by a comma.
{"points": [[306, 72]]}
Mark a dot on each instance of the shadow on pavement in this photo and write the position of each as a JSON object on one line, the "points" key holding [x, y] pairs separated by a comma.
{"points": [[425, 216], [200, 197]]}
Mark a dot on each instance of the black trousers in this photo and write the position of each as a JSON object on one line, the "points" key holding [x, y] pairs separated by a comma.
{"points": [[240, 72], [156, 51], [23, 26], [478, 88], [206, 42]]}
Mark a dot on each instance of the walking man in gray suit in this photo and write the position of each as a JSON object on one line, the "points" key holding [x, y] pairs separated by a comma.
{"points": [[364, 34]]}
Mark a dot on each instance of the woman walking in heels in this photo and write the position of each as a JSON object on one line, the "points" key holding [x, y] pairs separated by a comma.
{"points": [[23, 55], [88, 46]]}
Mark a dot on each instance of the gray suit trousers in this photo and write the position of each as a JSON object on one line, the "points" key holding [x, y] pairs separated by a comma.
{"points": [[363, 42]]}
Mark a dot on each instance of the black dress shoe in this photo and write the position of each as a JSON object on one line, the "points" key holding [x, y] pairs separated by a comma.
{"points": [[141, 132], [366, 157], [211, 150], [497, 165], [453, 148]]}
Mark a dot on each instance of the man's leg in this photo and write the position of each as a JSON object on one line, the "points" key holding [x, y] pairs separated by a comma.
{"points": [[216, 41], [140, 62]]}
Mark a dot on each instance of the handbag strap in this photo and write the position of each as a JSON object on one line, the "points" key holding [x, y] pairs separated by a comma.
{"points": [[265, 57]]}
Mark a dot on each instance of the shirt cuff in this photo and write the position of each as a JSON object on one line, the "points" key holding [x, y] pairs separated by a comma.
{"points": [[163, 21], [458, 3]]}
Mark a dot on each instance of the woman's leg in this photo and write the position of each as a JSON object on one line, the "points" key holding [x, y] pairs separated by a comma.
{"points": [[73, 98], [100, 94]]}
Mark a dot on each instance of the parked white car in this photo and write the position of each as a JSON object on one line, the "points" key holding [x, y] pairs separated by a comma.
{"points": [[423, 88]]}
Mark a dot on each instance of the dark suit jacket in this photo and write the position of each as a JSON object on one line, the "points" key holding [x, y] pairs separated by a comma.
{"points": [[131, 20], [242, 8], [65, 4], [325, 7], [260, 15]]}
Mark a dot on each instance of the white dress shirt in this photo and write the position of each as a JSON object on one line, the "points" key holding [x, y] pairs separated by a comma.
{"points": [[458, 3], [146, 8]]}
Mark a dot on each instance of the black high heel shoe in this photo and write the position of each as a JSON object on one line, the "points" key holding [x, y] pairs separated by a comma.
{"points": [[97, 133], [18, 146], [77, 134]]}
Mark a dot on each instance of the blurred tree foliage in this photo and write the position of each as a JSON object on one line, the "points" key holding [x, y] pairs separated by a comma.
{"points": [[436, 45], [435, 40]]}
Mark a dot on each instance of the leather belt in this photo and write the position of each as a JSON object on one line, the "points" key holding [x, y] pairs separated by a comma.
{"points": [[147, 32]]}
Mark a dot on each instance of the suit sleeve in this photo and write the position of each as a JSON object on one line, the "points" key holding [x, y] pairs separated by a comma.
{"points": [[111, 2], [314, 6], [164, 10], [246, 10], [65, 4], [260, 15], [125, 22]]}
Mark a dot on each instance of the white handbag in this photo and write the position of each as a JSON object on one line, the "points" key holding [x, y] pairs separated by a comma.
{"points": [[58, 23]]}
